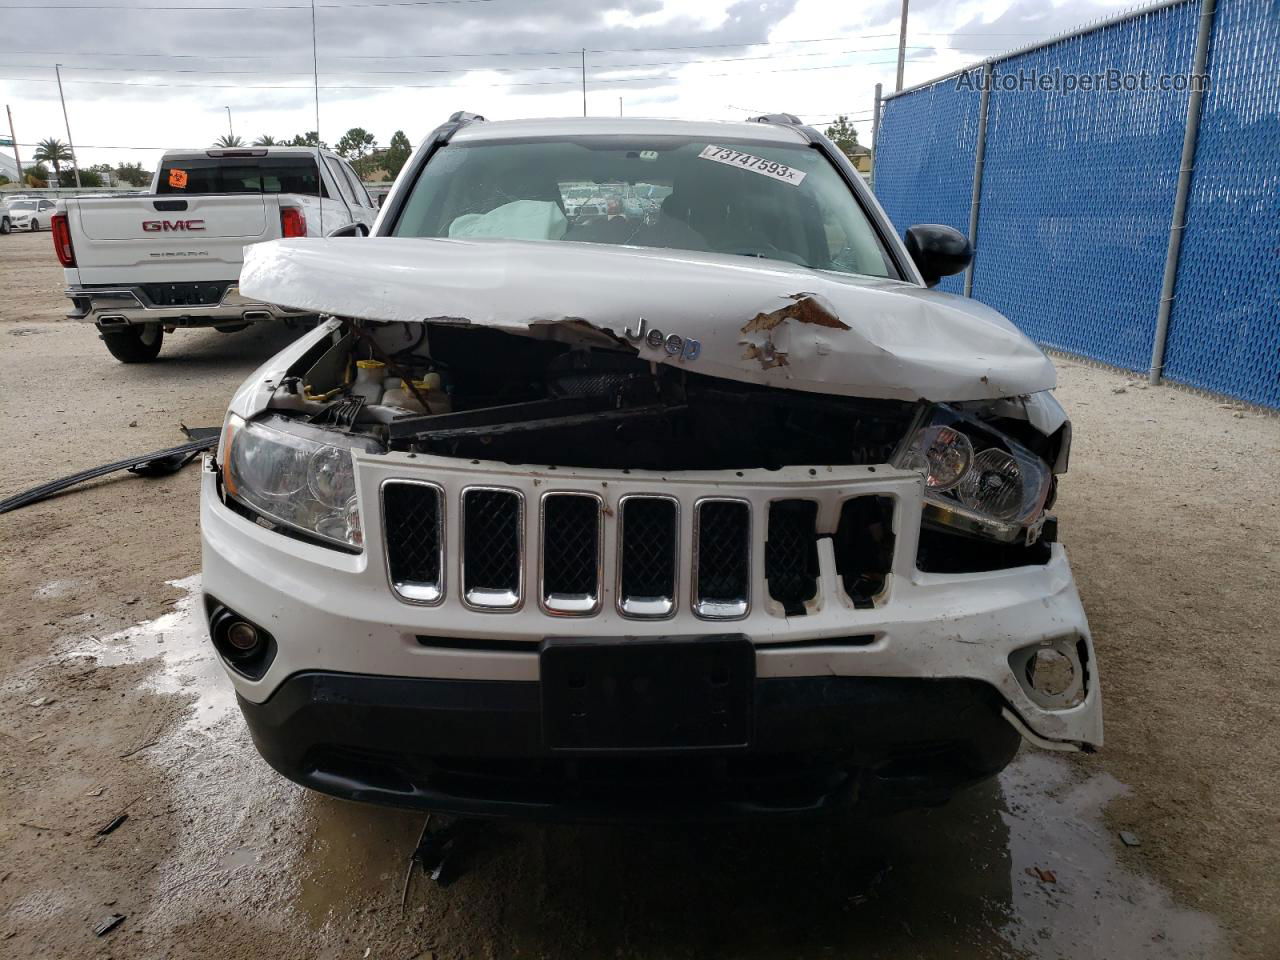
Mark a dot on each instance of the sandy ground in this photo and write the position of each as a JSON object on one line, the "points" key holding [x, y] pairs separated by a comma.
{"points": [[110, 704]]}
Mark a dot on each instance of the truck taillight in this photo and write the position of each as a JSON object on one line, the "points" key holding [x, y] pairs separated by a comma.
{"points": [[62, 240], [293, 222]]}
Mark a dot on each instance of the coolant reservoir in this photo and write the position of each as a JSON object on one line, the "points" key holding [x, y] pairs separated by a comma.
{"points": [[432, 387], [369, 377], [398, 395]]}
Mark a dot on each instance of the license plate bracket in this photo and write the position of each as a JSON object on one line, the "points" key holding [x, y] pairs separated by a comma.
{"points": [[647, 693]]}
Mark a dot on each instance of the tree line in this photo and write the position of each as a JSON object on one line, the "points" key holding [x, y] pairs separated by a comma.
{"points": [[53, 159], [357, 145]]}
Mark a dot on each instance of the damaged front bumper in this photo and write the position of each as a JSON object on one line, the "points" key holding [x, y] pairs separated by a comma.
{"points": [[954, 649]]}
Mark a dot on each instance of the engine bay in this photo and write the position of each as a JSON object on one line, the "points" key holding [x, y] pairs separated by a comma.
{"points": [[476, 393]]}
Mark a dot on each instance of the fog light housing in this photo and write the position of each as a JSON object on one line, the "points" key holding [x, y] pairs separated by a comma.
{"points": [[1053, 673], [244, 646], [1050, 672]]}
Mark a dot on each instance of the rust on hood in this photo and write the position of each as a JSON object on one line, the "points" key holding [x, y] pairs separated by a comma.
{"points": [[804, 308]]}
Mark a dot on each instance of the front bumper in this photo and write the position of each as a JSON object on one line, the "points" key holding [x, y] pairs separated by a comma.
{"points": [[113, 308], [475, 748], [333, 614]]}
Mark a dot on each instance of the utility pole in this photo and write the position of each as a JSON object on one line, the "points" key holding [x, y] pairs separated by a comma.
{"points": [[584, 82], [13, 136], [229, 128], [902, 45], [75, 165], [875, 130]]}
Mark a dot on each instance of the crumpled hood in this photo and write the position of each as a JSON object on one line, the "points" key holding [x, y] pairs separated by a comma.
{"points": [[758, 321]]}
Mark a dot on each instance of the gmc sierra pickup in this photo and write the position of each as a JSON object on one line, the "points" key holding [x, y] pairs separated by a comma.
{"points": [[140, 265]]}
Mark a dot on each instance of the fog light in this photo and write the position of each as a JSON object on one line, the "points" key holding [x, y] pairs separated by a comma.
{"points": [[1050, 672], [243, 636]]}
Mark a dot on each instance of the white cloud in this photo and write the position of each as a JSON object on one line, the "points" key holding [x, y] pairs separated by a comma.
{"points": [[513, 58]]}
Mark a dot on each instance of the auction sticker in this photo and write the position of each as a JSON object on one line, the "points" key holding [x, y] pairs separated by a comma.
{"points": [[768, 168]]}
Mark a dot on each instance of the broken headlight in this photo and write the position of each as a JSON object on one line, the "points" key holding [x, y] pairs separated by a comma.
{"points": [[976, 478], [279, 470]]}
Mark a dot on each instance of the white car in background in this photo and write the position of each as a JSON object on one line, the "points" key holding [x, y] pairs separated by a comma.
{"points": [[29, 213]]}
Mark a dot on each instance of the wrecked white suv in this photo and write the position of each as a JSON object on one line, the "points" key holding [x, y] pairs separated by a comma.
{"points": [[690, 500]]}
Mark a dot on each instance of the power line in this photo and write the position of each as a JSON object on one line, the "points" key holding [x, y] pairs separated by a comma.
{"points": [[471, 69], [428, 86], [226, 7], [433, 56]]}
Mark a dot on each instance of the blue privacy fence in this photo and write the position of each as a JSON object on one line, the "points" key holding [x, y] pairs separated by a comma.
{"points": [[1078, 189]]}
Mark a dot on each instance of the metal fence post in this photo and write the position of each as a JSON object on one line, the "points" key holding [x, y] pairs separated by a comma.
{"points": [[979, 161], [1186, 166], [875, 135]]}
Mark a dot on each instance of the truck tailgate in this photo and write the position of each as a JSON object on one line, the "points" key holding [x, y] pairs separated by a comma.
{"points": [[163, 238]]}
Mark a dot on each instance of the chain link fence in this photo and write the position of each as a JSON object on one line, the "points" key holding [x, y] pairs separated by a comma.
{"points": [[1084, 144]]}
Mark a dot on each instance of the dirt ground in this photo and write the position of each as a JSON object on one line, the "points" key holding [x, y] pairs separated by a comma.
{"points": [[110, 704]]}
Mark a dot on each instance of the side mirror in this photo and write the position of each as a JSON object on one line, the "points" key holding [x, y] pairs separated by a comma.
{"points": [[350, 230], [938, 251], [382, 198]]}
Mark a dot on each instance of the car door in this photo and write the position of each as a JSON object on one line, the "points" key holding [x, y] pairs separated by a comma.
{"points": [[364, 209]]}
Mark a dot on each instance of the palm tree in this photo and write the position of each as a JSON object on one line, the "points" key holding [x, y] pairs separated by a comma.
{"points": [[266, 140], [53, 151], [227, 140]]}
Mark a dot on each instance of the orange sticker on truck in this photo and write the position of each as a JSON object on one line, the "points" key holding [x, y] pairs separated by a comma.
{"points": [[177, 178]]}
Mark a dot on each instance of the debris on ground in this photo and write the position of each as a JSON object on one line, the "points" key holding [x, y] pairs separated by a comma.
{"points": [[112, 824], [1130, 839], [157, 464], [109, 924], [1044, 876]]}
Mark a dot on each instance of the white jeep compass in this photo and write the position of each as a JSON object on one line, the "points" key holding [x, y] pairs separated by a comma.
{"points": [[694, 501]]}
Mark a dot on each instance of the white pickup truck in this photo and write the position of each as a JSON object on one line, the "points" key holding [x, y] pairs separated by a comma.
{"points": [[140, 265]]}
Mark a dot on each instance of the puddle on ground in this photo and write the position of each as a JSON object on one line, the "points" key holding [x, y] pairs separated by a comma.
{"points": [[1023, 866]]}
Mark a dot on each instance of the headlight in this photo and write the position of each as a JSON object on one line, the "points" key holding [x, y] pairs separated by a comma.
{"points": [[976, 478], [279, 471]]}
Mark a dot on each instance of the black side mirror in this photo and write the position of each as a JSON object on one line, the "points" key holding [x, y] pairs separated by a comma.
{"points": [[349, 230], [382, 198], [938, 251]]}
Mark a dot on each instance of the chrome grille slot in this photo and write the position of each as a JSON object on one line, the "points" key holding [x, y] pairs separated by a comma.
{"points": [[571, 553], [721, 559], [413, 529], [648, 555], [791, 554], [492, 548]]}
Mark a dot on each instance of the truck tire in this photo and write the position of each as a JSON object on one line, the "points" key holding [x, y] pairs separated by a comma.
{"points": [[140, 344]]}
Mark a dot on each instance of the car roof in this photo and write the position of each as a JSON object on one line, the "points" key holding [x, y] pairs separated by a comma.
{"points": [[217, 152], [628, 126]]}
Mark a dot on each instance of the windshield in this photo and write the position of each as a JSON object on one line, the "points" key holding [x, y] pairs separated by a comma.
{"points": [[778, 201], [282, 174], [22, 205]]}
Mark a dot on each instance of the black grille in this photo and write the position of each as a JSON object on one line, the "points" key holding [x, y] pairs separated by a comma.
{"points": [[724, 539], [864, 547], [791, 554], [185, 294], [648, 548], [570, 545], [411, 512], [491, 521]]}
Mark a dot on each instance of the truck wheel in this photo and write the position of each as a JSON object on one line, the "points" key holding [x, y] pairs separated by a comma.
{"points": [[140, 344]]}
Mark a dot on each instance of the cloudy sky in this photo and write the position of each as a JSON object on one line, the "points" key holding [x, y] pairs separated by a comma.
{"points": [[144, 75]]}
